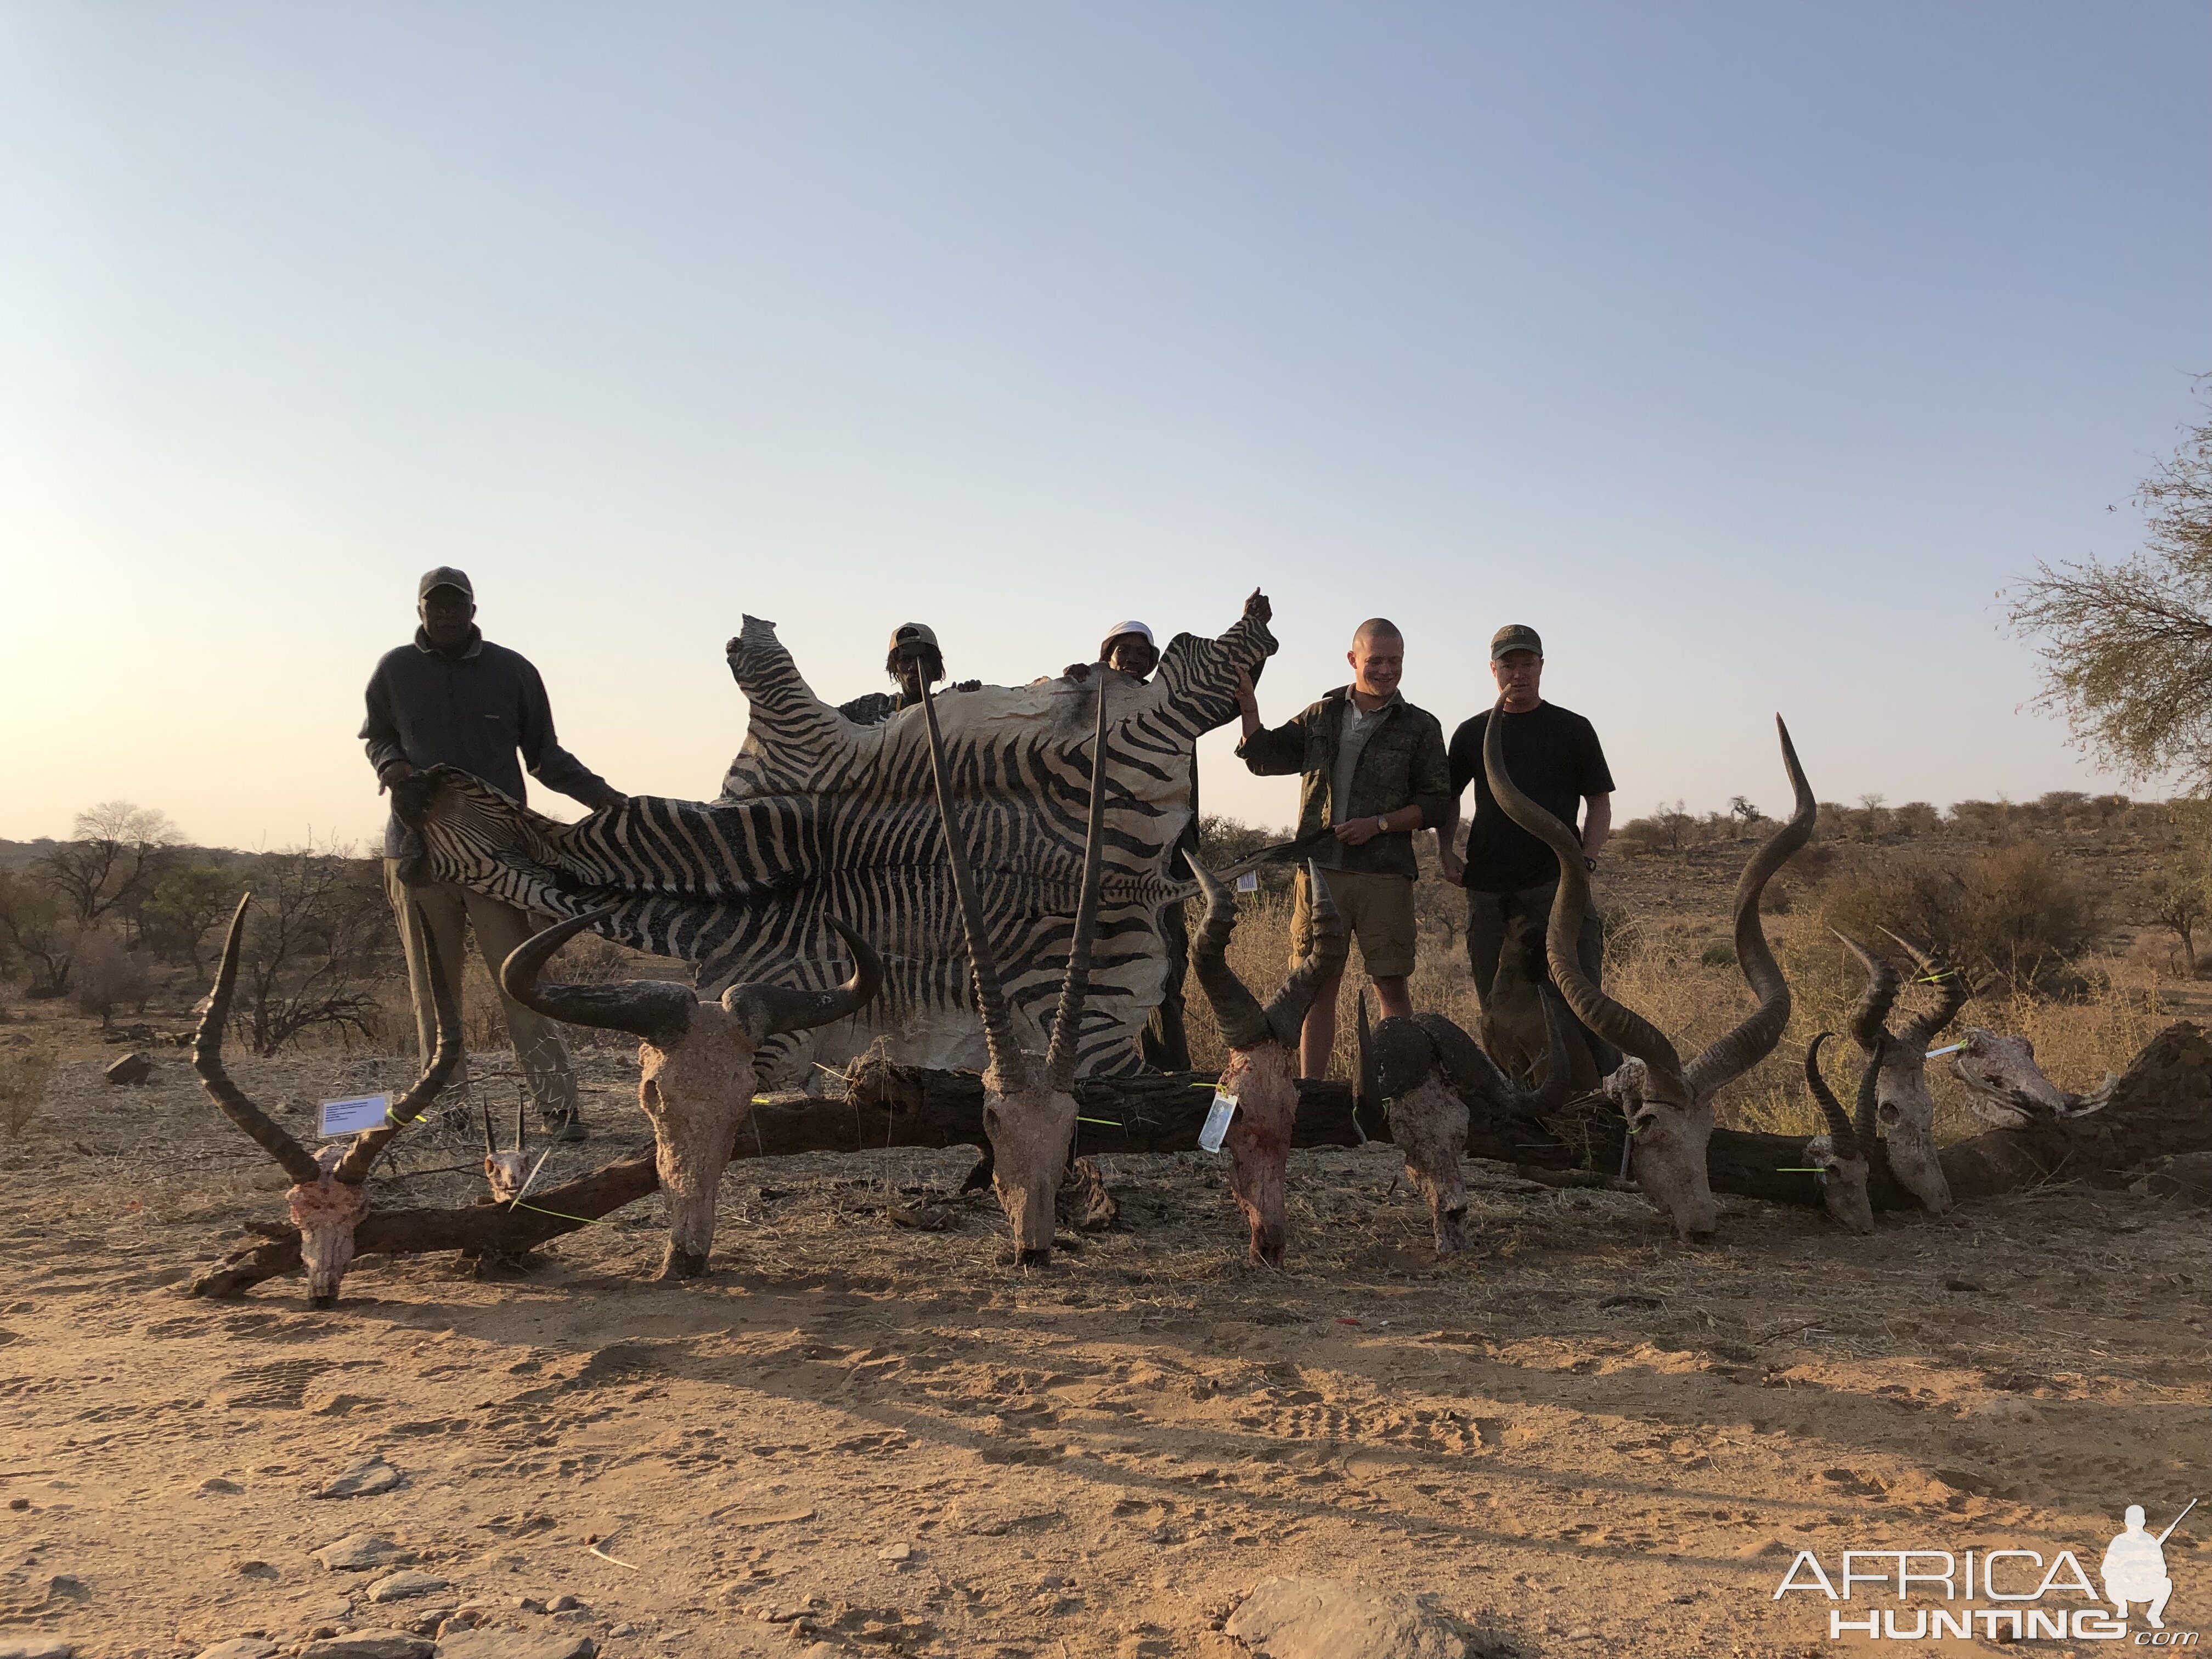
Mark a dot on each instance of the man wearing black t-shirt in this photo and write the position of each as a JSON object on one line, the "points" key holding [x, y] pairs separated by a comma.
{"points": [[1554, 756]]}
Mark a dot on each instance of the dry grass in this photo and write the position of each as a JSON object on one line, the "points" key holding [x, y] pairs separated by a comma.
{"points": [[23, 1079]]}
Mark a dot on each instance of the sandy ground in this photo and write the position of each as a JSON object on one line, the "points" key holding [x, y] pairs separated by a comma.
{"points": [[856, 1437]]}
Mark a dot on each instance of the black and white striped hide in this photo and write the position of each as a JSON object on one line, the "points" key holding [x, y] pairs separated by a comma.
{"points": [[819, 817]]}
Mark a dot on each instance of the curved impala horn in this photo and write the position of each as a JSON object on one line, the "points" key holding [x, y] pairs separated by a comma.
{"points": [[1870, 1013], [657, 1010], [353, 1169], [1842, 1135], [1067, 1024], [1243, 1022], [767, 1009], [1868, 1106], [1324, 958], [206, 1059], [1007, 1060], [1728, 1058], [1623, 1028]]}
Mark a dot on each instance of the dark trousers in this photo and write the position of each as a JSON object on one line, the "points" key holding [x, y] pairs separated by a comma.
{"points": [[1487, 914], [1165, 1044]]}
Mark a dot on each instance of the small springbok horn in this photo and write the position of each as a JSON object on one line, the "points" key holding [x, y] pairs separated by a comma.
{"points": [[1243, 1022], [1842, 1135], [767, 1009], [1623, 1028], [1324, 958], [353, 1169], [206, 1059], [1007, 1058], [1728, 1058], [1920, 1030], [1870, 1013], [1067, 1024], [657, 1010]]}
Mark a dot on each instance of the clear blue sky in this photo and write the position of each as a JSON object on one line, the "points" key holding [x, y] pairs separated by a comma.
{"points": [[1745, 350]]}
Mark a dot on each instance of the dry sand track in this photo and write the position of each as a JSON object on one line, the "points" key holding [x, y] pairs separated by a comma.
{"points": [[1584, 1438]]}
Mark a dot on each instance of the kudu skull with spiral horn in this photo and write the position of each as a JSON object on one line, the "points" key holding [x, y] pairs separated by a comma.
{"points": [[1904, 1112], [325, 1198], [696, 1078], [1029, 1113], [1669, 1105], [1263, 1051]]}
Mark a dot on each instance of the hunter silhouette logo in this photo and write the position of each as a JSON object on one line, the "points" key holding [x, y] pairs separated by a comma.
{"points": [[2028, 1595]]}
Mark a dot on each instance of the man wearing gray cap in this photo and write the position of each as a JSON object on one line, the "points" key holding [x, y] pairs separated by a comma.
{"points": [[1554, 756], [453, 698]]}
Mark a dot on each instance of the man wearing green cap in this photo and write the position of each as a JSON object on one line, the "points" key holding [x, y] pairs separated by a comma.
{"points": [[1553, 754], [453, 698]]}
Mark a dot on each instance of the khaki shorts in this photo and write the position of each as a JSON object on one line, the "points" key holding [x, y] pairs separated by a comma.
{"points": [[1378, 909]]}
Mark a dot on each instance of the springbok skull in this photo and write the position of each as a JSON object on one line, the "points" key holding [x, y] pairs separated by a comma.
{"points": [[695, 1059], [1842, 1153], [508, 1172], [1669, 1105], [2007, 1089], [1427, 1069], [1263, 1051], [325, 1198], [1904, 1112], [1029, 1115]]}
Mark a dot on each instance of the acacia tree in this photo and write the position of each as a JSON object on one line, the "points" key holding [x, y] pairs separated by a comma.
{"points": [[115, 852], [2127, 647]]}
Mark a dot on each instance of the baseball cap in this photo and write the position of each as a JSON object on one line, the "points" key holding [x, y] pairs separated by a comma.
{"points": [[913, 634], [1515, 636], [444, 576], [1121, 628]]}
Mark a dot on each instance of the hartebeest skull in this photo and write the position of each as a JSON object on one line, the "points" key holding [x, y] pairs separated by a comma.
{"points": [[1904, 1112], [325, 1198], [2006, 1089], [1669, 1105], [1842, 1153], [695, 1060], [1428, 1069], [1263, 1051], [1029, 1114]]}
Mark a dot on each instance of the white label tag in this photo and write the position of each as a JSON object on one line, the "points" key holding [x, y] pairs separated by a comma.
{"points": [[352, 1118], [1248, 882], [1217, 1123]]}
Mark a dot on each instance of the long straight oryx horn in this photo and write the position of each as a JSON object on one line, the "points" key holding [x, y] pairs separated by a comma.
{"points": [[1951, 996], [206, 1059], [353, 1169], [1870, 1013], [1324, 959], [1243, 1022], [1842, 1135], [658, 1010], [767, 1009], [1728, 1058], [1007, 1060], [1067, 1024], [1623, 1028]]}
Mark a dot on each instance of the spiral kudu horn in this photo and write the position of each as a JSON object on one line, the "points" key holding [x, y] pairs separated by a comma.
{"points": [[1243, 1022], [1870, 1013], [1843, 1134], [1007, 1061], [206, 1059], [1729, 1057], [353, 1169], [1067, 1024], [1324, 959], [1623, 1028], [657, 1010]]}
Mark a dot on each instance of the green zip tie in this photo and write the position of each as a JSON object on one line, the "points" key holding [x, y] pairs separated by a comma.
{"points": [[588, 1220], [1103, 1122]]}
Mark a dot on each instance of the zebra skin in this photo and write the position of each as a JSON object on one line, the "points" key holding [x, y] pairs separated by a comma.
{"points": [[819, 817]]}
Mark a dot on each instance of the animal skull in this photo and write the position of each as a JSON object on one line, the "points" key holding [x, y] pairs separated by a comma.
{"points": [[1263, 1053], [1904, 1112], [326, 1199], [697, 1077], [2007, 1089], [1842, 1152]]}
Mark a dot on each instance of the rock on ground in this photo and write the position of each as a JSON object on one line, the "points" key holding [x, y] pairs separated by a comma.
{"points": [[1332, 1619], [357, 1551], [238, 1647], [371, 1475], [36, 1647], [513, 1644], [133, 1067], [401, 1585], [371, 1645]]}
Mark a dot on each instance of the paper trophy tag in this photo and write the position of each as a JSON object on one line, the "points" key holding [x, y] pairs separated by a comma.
{"points": [[351, 1117], [1217, 1123], [1248, 882]]}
